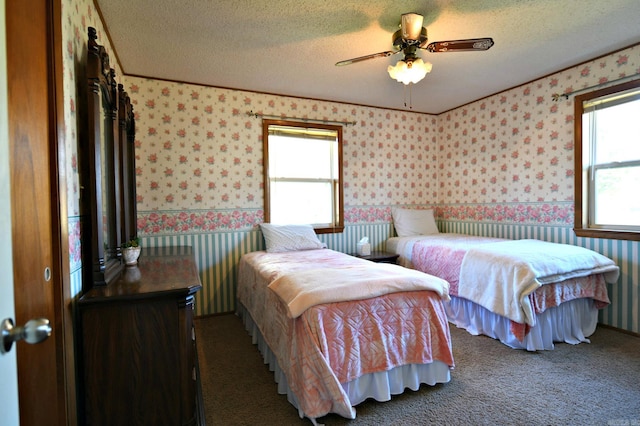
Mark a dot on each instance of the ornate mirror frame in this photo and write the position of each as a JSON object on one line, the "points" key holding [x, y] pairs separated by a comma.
{"points": [[108, 171], [127, 124]]}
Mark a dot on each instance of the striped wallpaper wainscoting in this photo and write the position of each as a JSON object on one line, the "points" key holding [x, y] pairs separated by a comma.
{"points": [[217, 256]]}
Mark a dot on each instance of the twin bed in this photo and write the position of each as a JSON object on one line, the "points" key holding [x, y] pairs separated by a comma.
{"points": [[336, 329], [353, 330], [529, 309], [526, 293]]}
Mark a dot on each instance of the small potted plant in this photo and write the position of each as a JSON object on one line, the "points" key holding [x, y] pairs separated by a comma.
{"points": [[131, 251]]}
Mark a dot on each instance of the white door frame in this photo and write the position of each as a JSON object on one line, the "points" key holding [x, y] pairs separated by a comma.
{"points": [[8, 364]]}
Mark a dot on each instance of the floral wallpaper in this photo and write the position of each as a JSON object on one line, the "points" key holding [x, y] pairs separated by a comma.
{"points": [[510, 156], [199, 149], [517, 146]]}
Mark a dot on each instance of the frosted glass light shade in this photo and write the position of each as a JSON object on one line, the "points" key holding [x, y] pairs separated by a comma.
{"points": [[409, 72]]}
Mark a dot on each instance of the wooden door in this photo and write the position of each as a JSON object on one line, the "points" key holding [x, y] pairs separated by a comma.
{"points": [[36, 235], [8, 364]]}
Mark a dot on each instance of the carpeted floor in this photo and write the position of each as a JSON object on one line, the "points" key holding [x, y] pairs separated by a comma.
{"points": [[587, 384]]}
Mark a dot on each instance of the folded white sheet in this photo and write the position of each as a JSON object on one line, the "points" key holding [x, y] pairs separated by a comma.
{"points": [[300, 290], [500, 276]]}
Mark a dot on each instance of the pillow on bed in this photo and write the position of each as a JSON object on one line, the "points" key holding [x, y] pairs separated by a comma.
{"points": [[410, 222], [281, 238]]}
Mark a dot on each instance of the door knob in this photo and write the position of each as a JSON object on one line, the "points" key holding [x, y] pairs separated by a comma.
{"points": [[34, 331]]}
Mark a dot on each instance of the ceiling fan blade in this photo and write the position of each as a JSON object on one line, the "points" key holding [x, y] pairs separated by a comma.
{"points": [[367, 57], [460, 45]]}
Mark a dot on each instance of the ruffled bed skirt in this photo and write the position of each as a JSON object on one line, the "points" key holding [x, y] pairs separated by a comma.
{"points": [[379, 386], [571, 322]]}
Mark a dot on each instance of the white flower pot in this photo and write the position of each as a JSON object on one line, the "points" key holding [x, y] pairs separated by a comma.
{"points": [[130, 255]]}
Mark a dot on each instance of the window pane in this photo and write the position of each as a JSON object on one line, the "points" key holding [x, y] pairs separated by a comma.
{"points": [[607, 153], [303, 174], [301, 203], [618, 133], [616, 201], [301, 158]]}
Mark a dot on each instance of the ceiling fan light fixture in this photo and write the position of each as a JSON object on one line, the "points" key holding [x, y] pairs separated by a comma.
{"points": [[411, 26], [409, 71]]}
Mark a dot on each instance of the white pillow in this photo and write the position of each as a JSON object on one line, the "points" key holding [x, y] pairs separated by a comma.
{"points": [[411, 222], [281, 238]]}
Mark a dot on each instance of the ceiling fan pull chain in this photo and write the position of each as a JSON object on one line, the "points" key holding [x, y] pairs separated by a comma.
{"points": [[410, 97], [404, 93]]}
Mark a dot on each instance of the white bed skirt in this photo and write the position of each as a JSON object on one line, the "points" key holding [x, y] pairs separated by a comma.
{"points": [[571, 322], [379, 386]]}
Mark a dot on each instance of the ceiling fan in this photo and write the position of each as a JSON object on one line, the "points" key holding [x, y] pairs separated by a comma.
{"points": [[413, 36]]}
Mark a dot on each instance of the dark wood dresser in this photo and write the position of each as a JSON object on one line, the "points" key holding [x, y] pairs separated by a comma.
{"points": [[138, 357]]}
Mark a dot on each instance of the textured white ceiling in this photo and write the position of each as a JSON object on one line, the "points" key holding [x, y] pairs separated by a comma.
{"points": [[289, 47]]}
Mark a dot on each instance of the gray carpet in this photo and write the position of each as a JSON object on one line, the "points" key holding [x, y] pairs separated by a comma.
{"points": [[587, 384]]}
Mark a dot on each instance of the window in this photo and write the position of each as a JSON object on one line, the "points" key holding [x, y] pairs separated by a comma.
{"points": [[303, 174], [607, 155]]}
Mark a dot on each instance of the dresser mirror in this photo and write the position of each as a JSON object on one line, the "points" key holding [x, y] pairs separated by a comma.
{"points": [[108, 170]]}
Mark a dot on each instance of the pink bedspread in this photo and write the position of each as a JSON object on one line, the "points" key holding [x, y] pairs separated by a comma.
{"points": [[442, 256], [337, 342]]}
